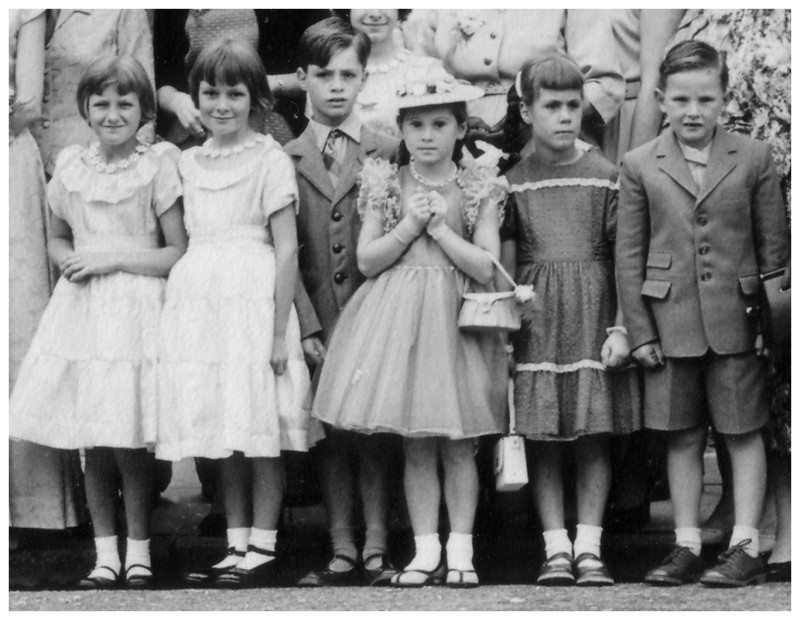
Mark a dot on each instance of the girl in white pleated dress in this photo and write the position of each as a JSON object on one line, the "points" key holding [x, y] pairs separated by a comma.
{"points": [[233, 382], [89, 379]]}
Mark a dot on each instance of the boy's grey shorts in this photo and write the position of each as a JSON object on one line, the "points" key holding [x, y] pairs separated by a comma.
{"points": [[728, 390]]}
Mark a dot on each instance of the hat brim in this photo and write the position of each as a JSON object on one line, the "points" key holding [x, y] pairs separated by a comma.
{"points": [[460, 92]]}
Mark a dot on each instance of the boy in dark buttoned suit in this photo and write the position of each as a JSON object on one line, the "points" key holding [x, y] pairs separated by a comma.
{"points": [[328, 157], [700, 219]]}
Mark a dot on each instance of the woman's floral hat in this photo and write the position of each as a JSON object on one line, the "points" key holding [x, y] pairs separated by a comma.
{"points": [[434, 87]]}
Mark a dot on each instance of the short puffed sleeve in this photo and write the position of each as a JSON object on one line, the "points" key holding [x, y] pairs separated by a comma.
{"points": [[379, 192], [167, 187], [57, 194], [279, 184], [483, 190]]}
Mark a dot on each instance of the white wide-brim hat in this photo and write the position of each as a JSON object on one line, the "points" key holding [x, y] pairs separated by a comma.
{"points": [[434, 87]]}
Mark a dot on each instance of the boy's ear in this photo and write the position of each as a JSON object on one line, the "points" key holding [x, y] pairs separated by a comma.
{"points": [[525, 113], [660, 99], [302, 77]]}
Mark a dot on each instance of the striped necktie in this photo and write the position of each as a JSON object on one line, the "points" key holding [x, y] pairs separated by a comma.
{"points": [[329, 157]]}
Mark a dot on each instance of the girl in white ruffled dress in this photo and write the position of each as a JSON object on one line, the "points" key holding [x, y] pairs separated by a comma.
{"points": [[89, 379], [233, 382], [397, 362]]}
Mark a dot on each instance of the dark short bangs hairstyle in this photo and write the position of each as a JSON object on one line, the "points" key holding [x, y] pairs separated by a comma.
{"points": [[554, 72], [458, 108], [402, 14], [693, 56], [322, 40], [230, 62], [126, 75]]}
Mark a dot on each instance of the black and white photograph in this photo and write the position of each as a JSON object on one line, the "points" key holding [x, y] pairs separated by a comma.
{"points": [[416, 310]]}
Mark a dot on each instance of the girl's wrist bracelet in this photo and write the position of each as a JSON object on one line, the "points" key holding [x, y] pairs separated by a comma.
{"points": [[617, 328], [397, 236]]}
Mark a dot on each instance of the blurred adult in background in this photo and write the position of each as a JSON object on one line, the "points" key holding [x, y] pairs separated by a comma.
{"points": [[488, 47], [75, 39], [45, 484]]}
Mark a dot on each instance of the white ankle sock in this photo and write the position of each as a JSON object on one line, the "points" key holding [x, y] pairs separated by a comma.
{"points": [[108, 553], [556, 541], [263, 539], [137, 552], [459, 552], [587, 540], [742, 533], [237, 538], [689, 537], [428, 552]]}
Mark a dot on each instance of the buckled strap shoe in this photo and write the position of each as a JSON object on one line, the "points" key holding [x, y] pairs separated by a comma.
{"points": [[592, 572], [327, 577], [206, 578], [557, 570]]}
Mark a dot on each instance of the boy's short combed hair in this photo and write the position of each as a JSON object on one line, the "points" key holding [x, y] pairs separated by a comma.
{"points": [[320, 41], [691, 56], [124, 73], [402, 14], [230, 62], [553, 71]]}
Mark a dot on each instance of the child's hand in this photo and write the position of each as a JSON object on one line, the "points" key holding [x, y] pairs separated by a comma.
{"points": [[437, 225], [79, 266], [187, 114], [616, 351], [419, 212], [649, 355], [279, 356], [314, 350]]}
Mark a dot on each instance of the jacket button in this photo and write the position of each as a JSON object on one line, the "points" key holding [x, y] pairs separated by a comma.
{"points": [[337, 248], [45, 124], [702, 221], [339, 277], [705, 277], [487, 61], [336, 216], [493, 35], [704, 249]]}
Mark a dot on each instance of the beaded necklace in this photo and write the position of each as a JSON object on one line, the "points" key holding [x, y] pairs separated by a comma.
{"points": [[387, 66], [422, 180], [213, 153]]}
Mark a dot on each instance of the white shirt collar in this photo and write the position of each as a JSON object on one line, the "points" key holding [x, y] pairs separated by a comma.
{"points": [[351, 127]]}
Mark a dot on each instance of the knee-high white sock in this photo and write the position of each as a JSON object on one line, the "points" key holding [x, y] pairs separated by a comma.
{"points": [[459, 552], [137, 555], [261, 539], [742, 533], [689, 537], [107, 554], [428, 552]]}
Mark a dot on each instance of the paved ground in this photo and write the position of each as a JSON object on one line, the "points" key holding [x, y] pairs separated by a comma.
{"points": [[505, 554]]}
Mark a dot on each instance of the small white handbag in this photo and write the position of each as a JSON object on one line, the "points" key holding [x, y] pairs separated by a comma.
{"points": [[510, 465]]}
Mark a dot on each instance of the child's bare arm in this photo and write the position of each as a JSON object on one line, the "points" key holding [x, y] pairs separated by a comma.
{"points": [[377, 251], [284, 233], [508, 258]]}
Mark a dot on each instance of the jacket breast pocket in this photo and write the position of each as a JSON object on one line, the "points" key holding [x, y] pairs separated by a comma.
{"points": [[656, 289]]}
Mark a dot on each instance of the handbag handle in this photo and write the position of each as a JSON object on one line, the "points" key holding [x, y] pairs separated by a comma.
{"points": [[512, 411], [501, 269]]}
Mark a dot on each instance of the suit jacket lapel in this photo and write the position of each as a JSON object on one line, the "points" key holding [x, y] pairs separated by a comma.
{"points": [[354, 163], [721, 161], [673, 163], [309, 163]]}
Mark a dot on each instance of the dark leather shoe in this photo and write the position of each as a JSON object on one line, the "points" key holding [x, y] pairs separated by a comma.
{"points": [[557, 570], [382, 574], [779, 572], [139, 580], [735, 569], [99, 582], [328, 577], [591, 571], [679, 567], [262, 576], [206, 578]]}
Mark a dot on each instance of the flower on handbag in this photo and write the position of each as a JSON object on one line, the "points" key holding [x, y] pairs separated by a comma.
{"points": [[524, 293]]}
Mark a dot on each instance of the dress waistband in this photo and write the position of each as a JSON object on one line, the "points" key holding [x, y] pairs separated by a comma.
{"points": [[238, 236], [115, 243]]}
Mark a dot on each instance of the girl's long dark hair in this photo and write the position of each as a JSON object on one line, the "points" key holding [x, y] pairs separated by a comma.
{"points": [[459, 109]]}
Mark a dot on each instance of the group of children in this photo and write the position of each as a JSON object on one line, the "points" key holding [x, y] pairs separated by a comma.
{"points": [[213, 362]]}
